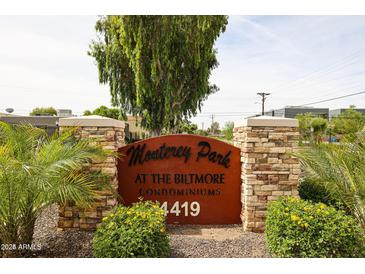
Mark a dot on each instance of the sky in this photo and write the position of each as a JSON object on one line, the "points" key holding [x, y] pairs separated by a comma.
{"points": [[298, 59]]}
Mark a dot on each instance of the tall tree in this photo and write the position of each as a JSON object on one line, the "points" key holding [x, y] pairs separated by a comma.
{"points": [[158, 67]]}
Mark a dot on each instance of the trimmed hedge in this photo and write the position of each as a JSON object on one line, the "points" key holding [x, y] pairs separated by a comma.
{"points": [[300, 229], [136, 231]]}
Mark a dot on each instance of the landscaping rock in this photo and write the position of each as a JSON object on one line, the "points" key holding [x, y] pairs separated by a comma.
{"points": [[226, 241], [60, 244], [188, 241]]}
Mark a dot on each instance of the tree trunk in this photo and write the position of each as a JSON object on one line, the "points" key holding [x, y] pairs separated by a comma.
{"points": [[156, 132], [27, 233], [10, 242]]}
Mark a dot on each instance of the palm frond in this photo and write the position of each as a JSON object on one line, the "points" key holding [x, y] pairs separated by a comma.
{"points": [[340, 167], [37, 170]]}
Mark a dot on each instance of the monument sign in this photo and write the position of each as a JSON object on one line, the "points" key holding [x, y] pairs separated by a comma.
{"points": [[196, 179]]}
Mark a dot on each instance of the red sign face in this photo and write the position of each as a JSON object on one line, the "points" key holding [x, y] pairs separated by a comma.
{"points": [[196, 179]]}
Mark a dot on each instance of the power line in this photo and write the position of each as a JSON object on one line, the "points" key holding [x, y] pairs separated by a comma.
{"points": [[340, 63], [314, 79], [338, 90], [335, 98], [219, 115], [338, 80], [334, 91], [328, 85], [225, 112]]}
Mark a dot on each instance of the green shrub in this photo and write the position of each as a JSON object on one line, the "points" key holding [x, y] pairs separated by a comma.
{"points": [[299, 228], [341, 168], [136, 231], [37, 170], [316, 192]]}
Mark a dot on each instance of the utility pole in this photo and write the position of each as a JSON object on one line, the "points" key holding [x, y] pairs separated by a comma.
{"points": [[263, 99], [211, 126]]}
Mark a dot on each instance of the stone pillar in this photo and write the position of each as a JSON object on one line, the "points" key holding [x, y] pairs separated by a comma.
{"points": [[109, 133], [268, 168]]}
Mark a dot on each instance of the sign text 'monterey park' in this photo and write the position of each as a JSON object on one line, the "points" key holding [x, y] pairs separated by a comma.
{"points": [[196, 179]]}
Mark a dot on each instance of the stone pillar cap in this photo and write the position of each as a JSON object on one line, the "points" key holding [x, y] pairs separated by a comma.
{"points": [[268, 121], [90, 121]]}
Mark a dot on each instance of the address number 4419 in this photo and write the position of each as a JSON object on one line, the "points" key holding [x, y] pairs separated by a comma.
{"points": [[185, 209]]}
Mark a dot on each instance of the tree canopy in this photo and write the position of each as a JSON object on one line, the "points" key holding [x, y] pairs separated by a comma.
{"points": [[348, 122], [105, 112], [40, 111], [214, 128], [311, 128], [187, 127], [228, 130], [157, 67]]}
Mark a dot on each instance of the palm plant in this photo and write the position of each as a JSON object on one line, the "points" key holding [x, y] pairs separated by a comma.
{"points": [[37, 170], [340, 167]]}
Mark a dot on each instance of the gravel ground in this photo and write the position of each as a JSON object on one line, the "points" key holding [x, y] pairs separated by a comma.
{"points": [[228, 241], [60, 244], [189, 241]]}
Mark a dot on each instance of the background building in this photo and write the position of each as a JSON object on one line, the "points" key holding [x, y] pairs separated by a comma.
{"points": [[64, 113], [49, 123], [133, 129], [335, 112], [292, 111]]}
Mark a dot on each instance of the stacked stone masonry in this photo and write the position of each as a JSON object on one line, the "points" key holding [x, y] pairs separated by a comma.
{"points": [[71, 217], [268, 169]]}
